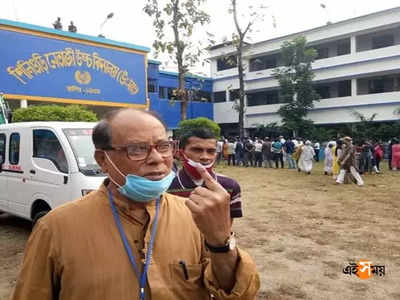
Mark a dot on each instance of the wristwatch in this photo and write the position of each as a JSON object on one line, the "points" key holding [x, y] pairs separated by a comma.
{"points": [[230, 244]]}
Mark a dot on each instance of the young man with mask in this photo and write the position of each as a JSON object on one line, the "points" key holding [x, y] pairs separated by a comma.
{"points": [[129, 239], [199, 147]]}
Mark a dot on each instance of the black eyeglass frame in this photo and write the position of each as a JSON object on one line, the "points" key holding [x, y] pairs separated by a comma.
{"points": [[167, 153]]}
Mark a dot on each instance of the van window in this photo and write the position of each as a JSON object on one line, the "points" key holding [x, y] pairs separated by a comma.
{"points": [[2, 148], [81, 143], [46, 145], [14, 149]]}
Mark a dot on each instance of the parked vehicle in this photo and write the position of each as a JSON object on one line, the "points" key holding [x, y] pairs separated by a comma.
{"points": [[45, 164], [5, 111]]}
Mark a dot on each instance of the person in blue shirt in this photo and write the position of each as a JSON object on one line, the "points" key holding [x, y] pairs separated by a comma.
{"points": [[289, 149], [277, 152]]}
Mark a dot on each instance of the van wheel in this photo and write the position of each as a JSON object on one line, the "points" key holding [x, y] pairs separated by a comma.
{"points": [[39, 215]]}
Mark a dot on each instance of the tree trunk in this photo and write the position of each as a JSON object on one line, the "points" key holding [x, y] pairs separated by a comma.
{"points": [[241, 89], [183, 95]]}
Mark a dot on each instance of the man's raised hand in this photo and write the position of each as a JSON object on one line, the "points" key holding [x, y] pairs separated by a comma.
{"points": [[210, 209]]}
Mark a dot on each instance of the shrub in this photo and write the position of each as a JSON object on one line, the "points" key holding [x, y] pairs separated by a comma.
{"points": [[54, 113], [197, 123]]}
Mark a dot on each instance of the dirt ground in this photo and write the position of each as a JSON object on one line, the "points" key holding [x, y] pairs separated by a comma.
{"points": [[300, 229]]}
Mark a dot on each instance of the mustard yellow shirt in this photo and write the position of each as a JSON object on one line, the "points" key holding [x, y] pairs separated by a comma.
{"points": [[76, 252]]}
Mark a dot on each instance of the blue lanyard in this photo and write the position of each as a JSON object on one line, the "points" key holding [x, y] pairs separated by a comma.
{"points": [[141, 277]]}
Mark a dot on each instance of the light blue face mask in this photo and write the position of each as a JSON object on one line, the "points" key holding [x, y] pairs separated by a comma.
{"points": [[141, 189]]}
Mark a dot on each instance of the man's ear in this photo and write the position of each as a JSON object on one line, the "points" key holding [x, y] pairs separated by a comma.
{"points": [[100, 158]]}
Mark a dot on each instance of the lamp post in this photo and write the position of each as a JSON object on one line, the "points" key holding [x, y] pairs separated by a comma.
{"points": [[109, 16]]}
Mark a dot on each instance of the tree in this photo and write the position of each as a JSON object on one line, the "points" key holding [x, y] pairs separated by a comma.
{"points": [[198, 123], [366, 128], [181, 16], [271, 130], [295, 79], [238, 40], [54, 113]]}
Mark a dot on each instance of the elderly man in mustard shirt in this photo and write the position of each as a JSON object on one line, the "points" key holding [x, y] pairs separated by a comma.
{"points": [[131, 240]]}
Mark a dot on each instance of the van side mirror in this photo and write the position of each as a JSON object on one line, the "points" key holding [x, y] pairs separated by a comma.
{"points": [[9, 115]]}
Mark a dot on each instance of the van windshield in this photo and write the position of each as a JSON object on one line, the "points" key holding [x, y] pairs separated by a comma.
{"points": [[83, 148]]}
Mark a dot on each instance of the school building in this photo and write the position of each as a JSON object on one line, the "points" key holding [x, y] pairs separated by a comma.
{"points": [[357, 70], [40, 65]]}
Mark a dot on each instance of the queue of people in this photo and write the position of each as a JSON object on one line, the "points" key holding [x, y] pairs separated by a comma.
{"points": [[265, 152], [343, 161]]}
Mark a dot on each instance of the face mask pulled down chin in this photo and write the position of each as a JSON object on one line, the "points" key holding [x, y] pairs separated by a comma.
{"points": [[191, 167], [141, 189]]}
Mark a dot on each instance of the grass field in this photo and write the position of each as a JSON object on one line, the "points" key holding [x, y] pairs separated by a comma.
{"points": [[303, 229]]}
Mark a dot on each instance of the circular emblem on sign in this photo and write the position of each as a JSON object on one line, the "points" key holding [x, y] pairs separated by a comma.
{"points": [[83, 78]]}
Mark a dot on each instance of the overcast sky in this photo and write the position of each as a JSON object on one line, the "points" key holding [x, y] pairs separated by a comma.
{"points": [[130, 24]]}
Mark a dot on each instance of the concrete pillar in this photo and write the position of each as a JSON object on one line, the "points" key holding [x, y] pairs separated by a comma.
{"points": [[354, 87], [353, 44], [24, 103]]}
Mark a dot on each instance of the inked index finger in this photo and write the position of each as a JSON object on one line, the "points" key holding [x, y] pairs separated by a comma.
{"points": [[210, 182]]}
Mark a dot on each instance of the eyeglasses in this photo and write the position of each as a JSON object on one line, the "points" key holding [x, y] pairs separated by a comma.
{"points": [[140, 151]]}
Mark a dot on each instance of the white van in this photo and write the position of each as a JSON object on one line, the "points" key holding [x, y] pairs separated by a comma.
{"points": [[45, 164]]}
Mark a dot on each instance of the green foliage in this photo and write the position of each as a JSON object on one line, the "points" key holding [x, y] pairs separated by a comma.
{"points": [[180, 16], [364, 129], [197, 123], [368, 129], [295, 79], [53, 113], [376, 131], [322, 134], [385, 132], [271, 130]]}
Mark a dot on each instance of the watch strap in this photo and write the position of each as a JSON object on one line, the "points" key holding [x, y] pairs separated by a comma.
{"points": [[221, 249]]}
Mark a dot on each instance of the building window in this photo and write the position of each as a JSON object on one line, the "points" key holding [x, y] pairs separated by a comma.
{"points": [[171, 94], [162, 92], [397, 83], [225, 63], [13, 157], [323, 91], [219, 97], [344, 88], [263, 63], [152, 85], [343, 48], [2, 148], [382, 41], [234, 95], [262, 98], [322, 53], [204, 96], [198, 95], [381, 85]]}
